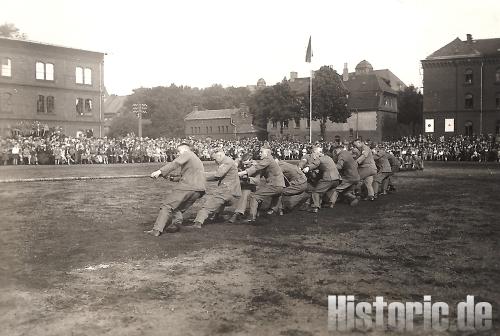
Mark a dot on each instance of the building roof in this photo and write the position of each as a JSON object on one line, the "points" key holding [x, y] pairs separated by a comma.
{"points": [[300, 85], [113, 104], [395, 83], [469, 48], [37, 43], [210, 114], [364, 67], [365, 90]]}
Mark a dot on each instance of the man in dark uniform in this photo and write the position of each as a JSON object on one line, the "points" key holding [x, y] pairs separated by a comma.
{"points": [[329, 177], [248, 185], [295, 186], [384, 170], [395, 164], [348, 168], [190, 187], [228, 188], [366, 167], [274, 181]]}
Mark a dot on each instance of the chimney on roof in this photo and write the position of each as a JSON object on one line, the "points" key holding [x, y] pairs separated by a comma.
{"points": [[195, 108], [345, 73], [469, 38], [293, 76]]}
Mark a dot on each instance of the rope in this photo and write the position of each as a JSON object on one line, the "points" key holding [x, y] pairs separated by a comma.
{"points": [[71, 178]]}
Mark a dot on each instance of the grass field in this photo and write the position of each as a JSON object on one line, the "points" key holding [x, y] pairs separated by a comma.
{"points": [[75, 261]]}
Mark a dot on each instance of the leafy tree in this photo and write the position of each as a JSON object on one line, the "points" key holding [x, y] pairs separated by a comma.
{"points": [[278, 103], [122, 125], [329, 99], [10, 30], [260, 105], [410, 104], [285, 106], [168, 106]]}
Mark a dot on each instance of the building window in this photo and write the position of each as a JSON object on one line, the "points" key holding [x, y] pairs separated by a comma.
{"points": [[6, 102], [297, 123], [79, 106], [469, 101], [497, 76], [88, 105], [50, 104], [6, 69], [192, 131], [87, 76], [468, 128], [351, 132], [497, 128], [497, 101], [284, 124], [79, 75], [210, 129], [83, 75], [40, 104], [207, 129], [44, 71], [275, 124], [468, 76], [308, 123], [227, 129]]}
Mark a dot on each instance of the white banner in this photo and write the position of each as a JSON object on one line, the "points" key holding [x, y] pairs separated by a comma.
{"points": [[429, 125], [449, 125]]}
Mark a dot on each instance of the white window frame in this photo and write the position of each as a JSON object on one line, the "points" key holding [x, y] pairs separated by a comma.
{"points": [[83, 75], [44, 71], [87, 76], [79, 75], [6, 70]]}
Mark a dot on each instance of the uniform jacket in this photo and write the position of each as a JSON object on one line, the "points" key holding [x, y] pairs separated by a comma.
{"points": [[270, 170], [383, 165], [347, 166], [229, 181], [249, 182], [292, 173], [365, 159], [192, 176], [327, 168], [394, 162]]}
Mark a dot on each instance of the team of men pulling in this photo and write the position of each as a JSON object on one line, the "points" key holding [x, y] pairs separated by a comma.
{"points": [[317, 181]]}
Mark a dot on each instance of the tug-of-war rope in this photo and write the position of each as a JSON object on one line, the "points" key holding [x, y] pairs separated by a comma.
{"points": [[71, 178]]}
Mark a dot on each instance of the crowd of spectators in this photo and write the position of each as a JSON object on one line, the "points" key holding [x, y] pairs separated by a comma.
{"points": [[56, 148]]}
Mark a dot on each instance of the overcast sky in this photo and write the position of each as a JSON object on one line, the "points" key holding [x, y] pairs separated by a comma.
{"points": [[234, 43]]}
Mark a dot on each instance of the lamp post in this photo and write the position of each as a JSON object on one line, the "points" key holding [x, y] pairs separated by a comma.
{"points": [[139, 110]]}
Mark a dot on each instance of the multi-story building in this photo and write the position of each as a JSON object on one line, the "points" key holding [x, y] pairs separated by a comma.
{"points": [[220, 124], [372, 101], [113, 107], [462, 88], [50, 85]]}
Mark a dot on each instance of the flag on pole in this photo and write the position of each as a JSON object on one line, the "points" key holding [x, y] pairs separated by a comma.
{"points": [[309, 53]]}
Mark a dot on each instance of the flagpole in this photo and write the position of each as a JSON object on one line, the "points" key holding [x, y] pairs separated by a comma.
{"points": [[308, 60], [310, 105]]}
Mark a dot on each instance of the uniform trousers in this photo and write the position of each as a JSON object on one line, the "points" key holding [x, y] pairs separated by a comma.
{"points": [[174, 205], [263, 193], [214, 204]]}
